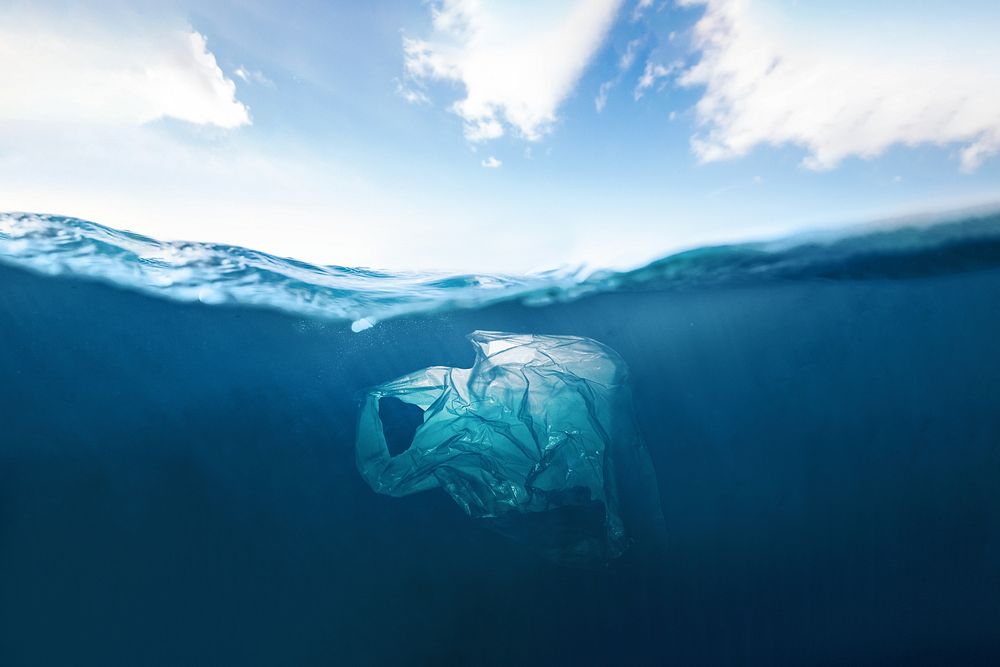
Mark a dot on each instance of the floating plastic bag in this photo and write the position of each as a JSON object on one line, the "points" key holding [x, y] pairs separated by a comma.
{"points": [[530, 439]]}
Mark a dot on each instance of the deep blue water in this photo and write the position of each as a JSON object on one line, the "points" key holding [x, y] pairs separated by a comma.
{"points": [[178, 485]]}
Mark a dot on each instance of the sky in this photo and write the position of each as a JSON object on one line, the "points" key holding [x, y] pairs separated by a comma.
{"points": [[478, 135]]}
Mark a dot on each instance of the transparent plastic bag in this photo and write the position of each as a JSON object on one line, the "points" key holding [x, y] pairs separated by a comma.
{"points": [[531, 439]]}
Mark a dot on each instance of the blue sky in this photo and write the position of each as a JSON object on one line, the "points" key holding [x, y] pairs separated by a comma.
{"points": [[501, 136]]}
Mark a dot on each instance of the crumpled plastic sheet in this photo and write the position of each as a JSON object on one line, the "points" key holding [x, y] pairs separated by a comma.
{"points": [[532, 439]]}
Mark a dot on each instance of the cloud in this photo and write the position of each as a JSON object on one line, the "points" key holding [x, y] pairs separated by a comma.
{"points": [[411, 94], [253, 76], [625, 63], [602, 94], [71, 70], [640, 9], [628, 58], [492, 163], [841, 91], [652, 73], [516, 62]]}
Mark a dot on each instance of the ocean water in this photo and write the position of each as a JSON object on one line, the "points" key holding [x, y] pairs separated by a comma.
{"points": [[178, 482]]}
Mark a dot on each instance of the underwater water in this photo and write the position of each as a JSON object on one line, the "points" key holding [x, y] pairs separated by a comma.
{"points": [[178, 477]]}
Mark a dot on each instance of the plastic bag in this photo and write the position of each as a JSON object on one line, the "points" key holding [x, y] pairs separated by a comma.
{"points": [[529, 439]]}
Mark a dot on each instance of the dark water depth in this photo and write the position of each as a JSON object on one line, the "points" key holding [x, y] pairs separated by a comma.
{"points": [[178, 487]]}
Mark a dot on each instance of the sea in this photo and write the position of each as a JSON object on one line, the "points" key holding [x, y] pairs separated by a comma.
{"points": [[178, 479]]}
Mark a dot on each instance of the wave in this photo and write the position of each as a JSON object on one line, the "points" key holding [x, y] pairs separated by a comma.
{"points": [[222, 274]]}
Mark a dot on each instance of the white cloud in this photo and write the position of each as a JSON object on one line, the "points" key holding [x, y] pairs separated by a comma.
{"points": [[628, 58], [68, 69], [517, 62], [602, 94], [640, 9], [625, 63], [492, 163], [652, 73], [253, 76], [411, 94], [768, 80]]}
